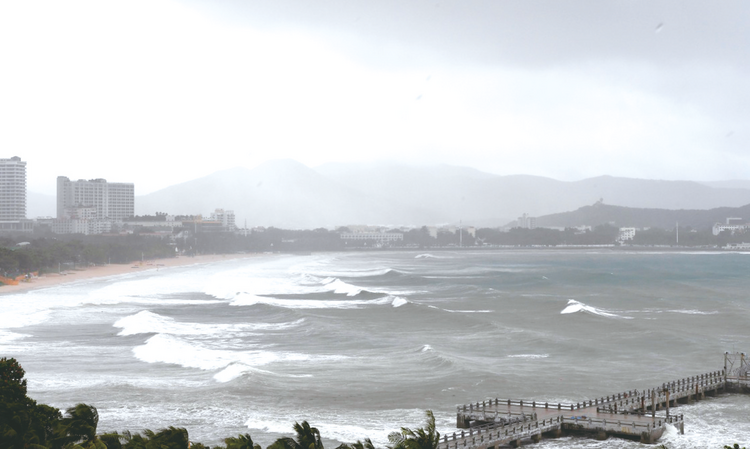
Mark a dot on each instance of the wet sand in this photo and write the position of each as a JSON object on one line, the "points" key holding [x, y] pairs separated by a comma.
{"points": [[52, 279]]}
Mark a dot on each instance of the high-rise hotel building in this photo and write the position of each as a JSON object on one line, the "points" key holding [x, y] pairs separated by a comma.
{"points": [[100, 199], [12, 189]]}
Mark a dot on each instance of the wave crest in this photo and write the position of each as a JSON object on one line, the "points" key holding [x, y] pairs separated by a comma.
{"points": [[576, 306]]}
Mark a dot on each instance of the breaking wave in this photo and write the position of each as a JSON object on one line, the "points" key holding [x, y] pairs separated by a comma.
{"points": [[575, 306], [426, 256], [177, 351], [251, 300], [145, 322]]}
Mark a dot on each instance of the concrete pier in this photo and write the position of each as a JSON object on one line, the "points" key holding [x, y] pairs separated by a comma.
{"points": [[629, 414]]}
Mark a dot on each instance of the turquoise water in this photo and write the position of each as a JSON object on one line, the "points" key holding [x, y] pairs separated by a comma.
{"points": [[360, 344]]}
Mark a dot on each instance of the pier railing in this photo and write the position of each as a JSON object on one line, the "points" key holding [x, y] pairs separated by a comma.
{"points": [[619, 425], [490, 435], [617, 401], [486, 436], [494, 422], [669, 391]]}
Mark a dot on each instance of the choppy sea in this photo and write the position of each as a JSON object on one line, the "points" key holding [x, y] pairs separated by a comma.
{"points": [[360, 344]]}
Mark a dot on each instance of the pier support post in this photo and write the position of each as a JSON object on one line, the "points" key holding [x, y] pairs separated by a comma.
{"points": [[536, 437], [461, 421], [516, 443]]}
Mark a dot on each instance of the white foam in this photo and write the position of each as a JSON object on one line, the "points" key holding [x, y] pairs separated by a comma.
{"points": [[426, 256], [399, 301], [575, 306], [670, 432], [251, 300], [468, 311], [329, 272], [342, 288], [343, 426], [528, 356], [694, 312], [16, 315], [177, 351], [145, 322], [236, 370], [7, 337]]}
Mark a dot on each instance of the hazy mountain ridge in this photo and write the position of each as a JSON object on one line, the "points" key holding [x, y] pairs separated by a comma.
{"points": [[281, 193], [620, 216], [286, 193]]}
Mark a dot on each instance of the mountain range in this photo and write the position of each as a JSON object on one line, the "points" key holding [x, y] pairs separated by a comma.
{"points": [[619, 216], [288, 194]]}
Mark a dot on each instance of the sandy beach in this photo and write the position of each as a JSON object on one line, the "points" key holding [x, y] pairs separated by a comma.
{"points": [[51, 279]]}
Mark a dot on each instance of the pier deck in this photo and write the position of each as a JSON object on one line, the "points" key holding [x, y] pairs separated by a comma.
{"points": [[630, 414]]}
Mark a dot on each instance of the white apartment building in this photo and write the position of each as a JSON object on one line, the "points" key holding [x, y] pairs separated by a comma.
{"points": [[626, 234], [526, 222], [12, 189], [226, 217], [732, 225], [379, 236], [111, 200]]}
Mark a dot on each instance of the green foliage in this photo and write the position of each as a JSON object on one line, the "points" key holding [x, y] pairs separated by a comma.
{"points": [[307, 438], [367, 444], [23, 423], [240, 442], [111, 440], [169, 438], [736, 446], [26, 425], [12, 382], [426, 437], [78, 426]]}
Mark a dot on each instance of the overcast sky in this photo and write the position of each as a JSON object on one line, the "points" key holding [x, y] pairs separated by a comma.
{"points": [[158, 92]]}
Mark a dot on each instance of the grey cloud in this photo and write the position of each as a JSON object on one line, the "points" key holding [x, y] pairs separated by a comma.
{"points": [[526, 33]]}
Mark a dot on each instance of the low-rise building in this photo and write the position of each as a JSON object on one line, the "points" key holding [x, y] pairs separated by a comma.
{"points": [[377, 236], [526, 222], [732, 225], [626, 234]]}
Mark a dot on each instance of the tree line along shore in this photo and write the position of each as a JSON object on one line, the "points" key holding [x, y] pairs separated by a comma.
{"points": [[26, 424], [44, 253]]}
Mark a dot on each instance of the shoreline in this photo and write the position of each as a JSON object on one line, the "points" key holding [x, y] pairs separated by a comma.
{"points": [[102, 271]]}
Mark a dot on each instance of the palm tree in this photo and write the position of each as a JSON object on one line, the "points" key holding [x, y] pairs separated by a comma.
{"points": [[169, 438], [241, 442], [112, 440], [307, 438], [423, 438], [78, 428], [367, 444]]}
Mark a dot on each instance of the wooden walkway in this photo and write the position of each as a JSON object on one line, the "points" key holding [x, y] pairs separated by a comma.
{"points": [[630, 414]]}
